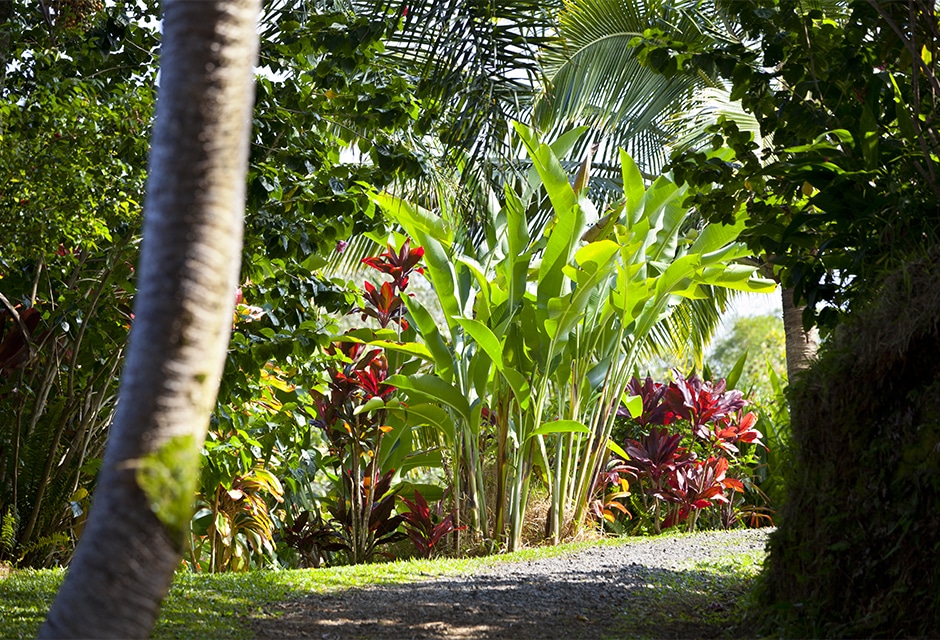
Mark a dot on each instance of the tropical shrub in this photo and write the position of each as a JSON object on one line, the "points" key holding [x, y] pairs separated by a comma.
{"points": [[352, 411], [312, 538], [424, 528], [233, 524], [61, 342], [691, 450]]}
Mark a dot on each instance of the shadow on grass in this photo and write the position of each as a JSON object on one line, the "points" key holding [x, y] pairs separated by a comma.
{"points": [[613, 602], [634, 602]]}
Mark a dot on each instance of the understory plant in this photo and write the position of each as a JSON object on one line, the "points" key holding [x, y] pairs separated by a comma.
{"points": [[426, 528], [689, 458], [63, 326], [542, 331], [233, 525], [353, 411]]}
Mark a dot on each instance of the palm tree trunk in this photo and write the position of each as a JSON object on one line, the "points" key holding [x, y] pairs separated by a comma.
{"points": [[183, 316], [801, 345]]}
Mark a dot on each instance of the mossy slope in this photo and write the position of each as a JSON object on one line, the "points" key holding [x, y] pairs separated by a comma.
{"points": [[858, 548]]}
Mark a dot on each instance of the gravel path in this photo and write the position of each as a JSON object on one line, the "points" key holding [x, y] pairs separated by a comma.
{"points": [[645, 588]]}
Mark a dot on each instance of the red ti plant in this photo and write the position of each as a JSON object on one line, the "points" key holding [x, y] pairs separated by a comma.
{"points": [[355, 433], [696, 486], [367, 522], [312, 538], [398, 264], [654, 458], [421, 526], [734, 429], [701, 402], [654, 410], [385, 305], [696, 429]]}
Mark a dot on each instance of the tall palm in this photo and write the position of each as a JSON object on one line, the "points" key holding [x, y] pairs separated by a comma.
{"points": [[476, 67], [188, 270], [594, 77]]}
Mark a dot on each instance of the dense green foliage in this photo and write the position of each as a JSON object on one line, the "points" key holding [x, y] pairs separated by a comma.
{"points": [[858, 546], [845, 192], [316, 434], [845, 188], [74, 114]]}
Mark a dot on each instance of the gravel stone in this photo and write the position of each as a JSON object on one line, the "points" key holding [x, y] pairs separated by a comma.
{"points": [[579, 595]]}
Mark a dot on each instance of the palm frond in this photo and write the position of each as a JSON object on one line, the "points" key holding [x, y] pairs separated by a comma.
{"points": [[594, 76], [686, 333]]}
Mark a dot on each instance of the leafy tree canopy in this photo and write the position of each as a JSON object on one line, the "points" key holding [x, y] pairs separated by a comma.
{"points": [[847, 187], [76, 106]]}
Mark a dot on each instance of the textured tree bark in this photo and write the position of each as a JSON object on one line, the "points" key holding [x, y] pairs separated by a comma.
{"points": [[801, 345], [183, 316]]}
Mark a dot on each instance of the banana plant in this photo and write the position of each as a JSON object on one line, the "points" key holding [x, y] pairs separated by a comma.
{"points": [[544, 332]]}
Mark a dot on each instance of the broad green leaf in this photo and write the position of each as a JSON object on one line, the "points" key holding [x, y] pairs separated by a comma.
{"points": [[634, 405], [433, 388], [616, 448], [568, 226], [416, 220], [428, 414], [596, 255], [485, 338], [560, 426], [443, 359], [519, 385], [373, 403], [516, 263], [432, 459], [676, 272], [553, 176], [716, 236], [732, 379], [440, 271], [633, 188]]}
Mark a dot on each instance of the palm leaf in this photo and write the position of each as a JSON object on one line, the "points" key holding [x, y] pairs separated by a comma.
{"points": [[594, 76]]}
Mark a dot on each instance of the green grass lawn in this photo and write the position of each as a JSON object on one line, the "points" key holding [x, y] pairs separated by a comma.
{"points": [[211, 606], [214, 606]]}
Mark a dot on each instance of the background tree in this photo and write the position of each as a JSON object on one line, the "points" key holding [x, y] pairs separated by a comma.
{"points": [[763, 340], [189, 267], [75, 110]]}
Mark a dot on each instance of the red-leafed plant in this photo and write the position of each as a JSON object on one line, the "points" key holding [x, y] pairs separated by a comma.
{"points": [[698, 486], [398, 264], [694, 456], [701, 403], [365, 518], [425, 528], [654, 459], [312, 538], [351, 412]]}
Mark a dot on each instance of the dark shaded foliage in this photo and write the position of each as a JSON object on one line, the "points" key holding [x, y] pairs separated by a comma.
{"points": [[857, 553]]}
